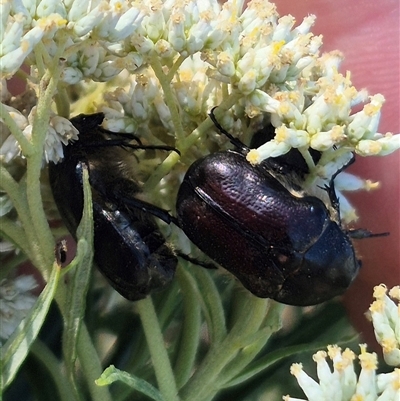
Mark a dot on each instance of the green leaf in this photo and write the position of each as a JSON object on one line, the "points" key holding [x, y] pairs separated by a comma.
{"points": [[77, 290], [190, 337], [17, 347], [271, 358], [112, 374], [211, 304]]}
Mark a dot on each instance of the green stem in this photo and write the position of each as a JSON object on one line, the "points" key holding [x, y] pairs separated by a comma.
{"points": [[161, 171], [169, 97], [158, 352], [47, 89], [91, 366], [190, 140], [175, 68], [62, 102], [269, 319], [308, 158], [41, 53], [52, 364], [26, 146], [17, 193]]}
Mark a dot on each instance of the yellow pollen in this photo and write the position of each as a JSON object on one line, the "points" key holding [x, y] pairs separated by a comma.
{"points": [[156, 5], [294, 96], [277, 46], [349, 355], [350, 216], [223, 57], [337, 133], [368, 361], [24, 45], [377, 306], [296, 369], [379, 291], [163, 47], [350, 92], [371, 185], [118, 6], [206, 16], [186, 75], [395, 292], [281, 96], [319, 356], [284, 108], [333, 351], [61, 22], [253, 157], [281, 134], [374, 148], [177, 18], [371, 109], [396, 381], [388, 344], [340, 366]]}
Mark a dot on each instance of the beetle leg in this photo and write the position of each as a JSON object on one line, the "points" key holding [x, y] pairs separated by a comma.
{"points": [[146, 207], [195, 260], [330, 188]]}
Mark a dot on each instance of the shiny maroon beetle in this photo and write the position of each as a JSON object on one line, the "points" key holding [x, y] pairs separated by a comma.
{"points": [[278, 245]]}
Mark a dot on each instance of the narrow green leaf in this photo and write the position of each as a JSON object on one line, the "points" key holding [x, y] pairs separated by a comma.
{"points": [[158, 352], [273, 357], [112, 374], [14, 233], [17, 347], [76, 297], [212, 305], [191, 328]]}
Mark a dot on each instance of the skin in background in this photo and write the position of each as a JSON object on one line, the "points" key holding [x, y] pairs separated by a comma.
{"points": [[368, 34]]}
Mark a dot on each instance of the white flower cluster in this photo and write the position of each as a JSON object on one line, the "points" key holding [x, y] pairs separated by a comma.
{"points": [[385, 316], [342, 384], [83, 24], [177, 59], [60, 131], [16, 301]]}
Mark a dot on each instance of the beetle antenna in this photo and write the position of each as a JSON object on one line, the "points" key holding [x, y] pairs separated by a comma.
{"points": [[234, 141], [361, 233], [124, 144]]}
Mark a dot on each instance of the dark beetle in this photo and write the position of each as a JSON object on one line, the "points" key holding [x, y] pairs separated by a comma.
{"points": [[278, 245], [129, 249]]}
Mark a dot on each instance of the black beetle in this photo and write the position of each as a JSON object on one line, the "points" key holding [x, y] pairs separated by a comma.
{"points": [[278, 245], [129, 249]]}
